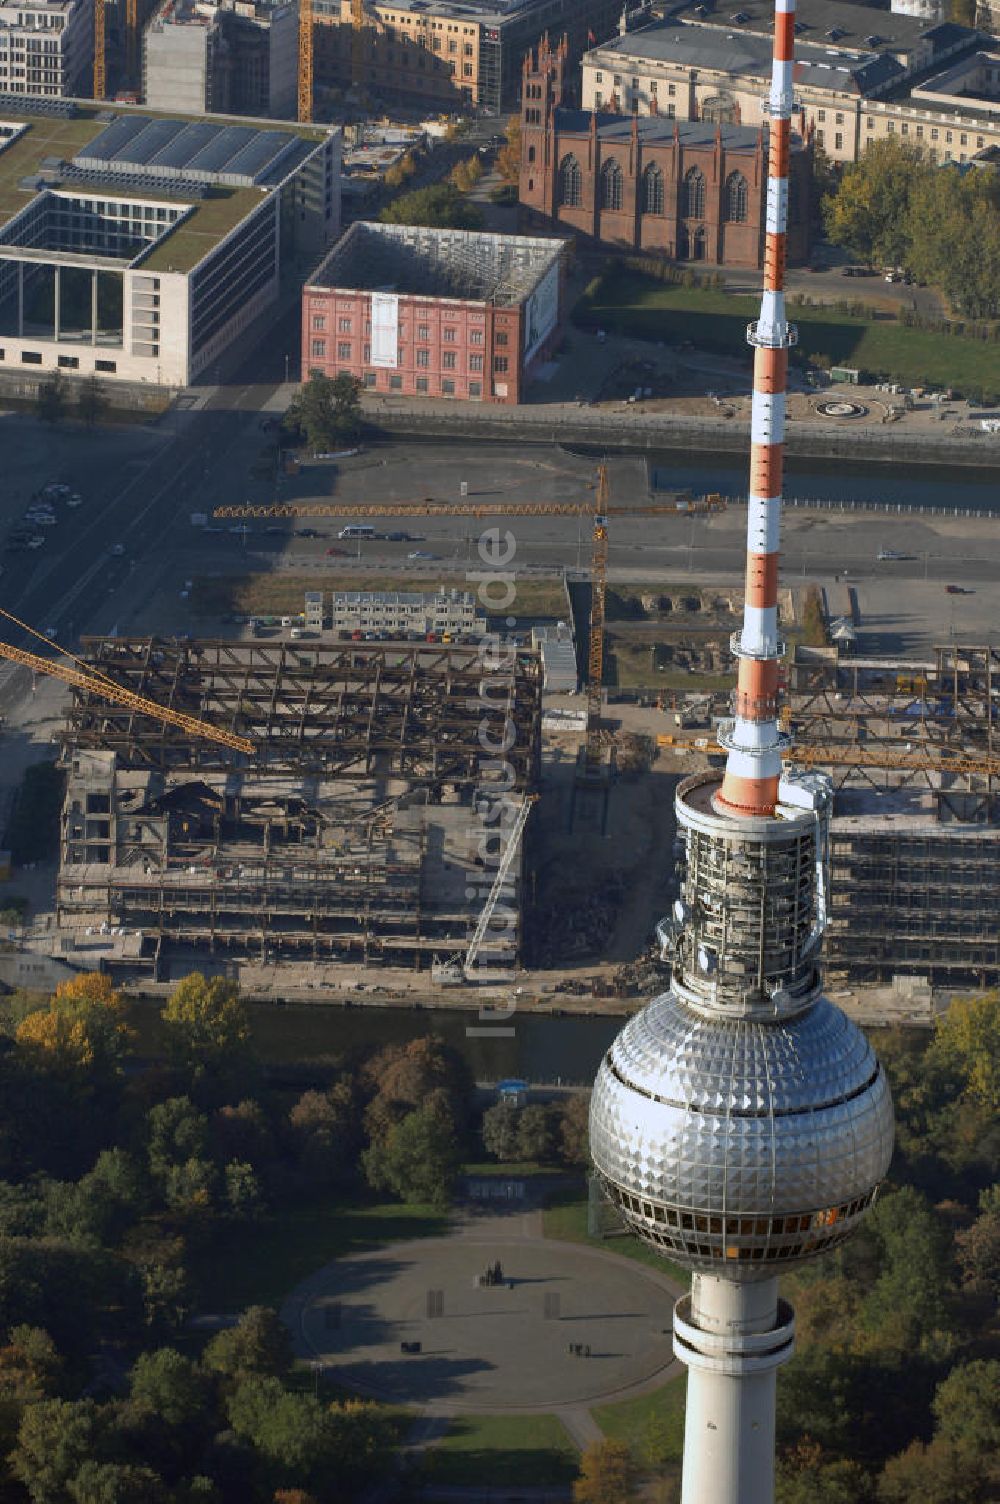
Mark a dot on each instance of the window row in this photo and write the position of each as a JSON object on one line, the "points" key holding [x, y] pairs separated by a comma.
{"points": [[736, 195], [422, 384], [449, 358]]}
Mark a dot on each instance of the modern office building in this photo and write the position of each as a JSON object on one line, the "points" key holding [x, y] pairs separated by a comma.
{"points": [[451, 55], [434, 313], [692, 190], [861, 75], [46, 47], [235, 57], [138, 247]]}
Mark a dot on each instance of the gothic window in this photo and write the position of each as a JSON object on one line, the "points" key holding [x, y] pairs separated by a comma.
{"points": [[652, 190], [693, 198], [736, 198], [611, 185], [570, 182]]}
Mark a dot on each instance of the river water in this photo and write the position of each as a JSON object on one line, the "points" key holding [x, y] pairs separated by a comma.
{"points": [[835, 481]]}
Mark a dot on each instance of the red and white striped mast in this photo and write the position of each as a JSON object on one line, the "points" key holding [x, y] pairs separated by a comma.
{"points": [[753, 767]]}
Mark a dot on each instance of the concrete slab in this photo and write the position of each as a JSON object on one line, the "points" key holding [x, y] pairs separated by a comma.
{"points": [[491, 1348]]}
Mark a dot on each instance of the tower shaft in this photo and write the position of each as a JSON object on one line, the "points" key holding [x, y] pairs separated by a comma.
{"points": [[733, 1339], [753, 766]]}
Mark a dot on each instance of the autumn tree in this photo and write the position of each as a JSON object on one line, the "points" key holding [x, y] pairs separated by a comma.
{"points": [[607, 1474], [868, 214], [54, 1440], [83, 1028], [207, 1032], [509, 155], [171, 1386], [325, 1134], [978, 1246]]}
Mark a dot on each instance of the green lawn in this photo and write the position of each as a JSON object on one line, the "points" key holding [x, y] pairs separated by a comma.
{"points": [[651, 1425], [261, 1263], [268, 594], [567, 1221], [505, 1450], [711, 319]]}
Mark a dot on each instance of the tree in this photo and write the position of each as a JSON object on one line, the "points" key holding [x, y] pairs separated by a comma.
{"points": [[244, 1196], [574, 1129], [92, 403], [962, 12], [170, 1386], [325, 1134], [30, 1370], [535, 1139], [52, 398], [419, 1160], [176, 1132], [441, 206], [868, 214], [82, 1029], [931, 1474], [208, 1035], [257, 1346], [509, 155], [907, 1302], [607, 1474], [326, 410], [243, 1132], [806, 1476], [291, 1432], [967, 1410], [118, 1483], [54, 1440], [967, 1044], [500, 1124], [978, 1246], [410, 1073]]}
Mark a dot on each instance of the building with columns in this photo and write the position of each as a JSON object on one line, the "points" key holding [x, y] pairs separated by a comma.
{"points": [[689, 190], [861, 75]]}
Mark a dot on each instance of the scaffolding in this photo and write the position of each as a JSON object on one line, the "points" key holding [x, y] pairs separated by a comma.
{"points": [[417, 261], [349, 837]]}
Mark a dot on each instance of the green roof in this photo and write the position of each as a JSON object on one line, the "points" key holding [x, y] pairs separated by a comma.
{"points": [[180, 249]]}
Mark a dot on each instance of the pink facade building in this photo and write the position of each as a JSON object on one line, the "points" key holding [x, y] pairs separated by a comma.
{"points": [[423, 312]]}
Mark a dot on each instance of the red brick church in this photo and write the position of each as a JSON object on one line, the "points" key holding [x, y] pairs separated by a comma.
{"points": [[687, 189]]}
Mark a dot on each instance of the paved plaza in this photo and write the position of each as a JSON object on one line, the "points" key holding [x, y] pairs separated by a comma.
{"points": [[490, 1348]]}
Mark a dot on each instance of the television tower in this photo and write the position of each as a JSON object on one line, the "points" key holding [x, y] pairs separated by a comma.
{"points": [[741, 1123]]}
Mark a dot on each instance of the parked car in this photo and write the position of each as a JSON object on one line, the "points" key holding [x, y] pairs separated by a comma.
{"points": [[117, 550], [336, 553], [419, 553]]}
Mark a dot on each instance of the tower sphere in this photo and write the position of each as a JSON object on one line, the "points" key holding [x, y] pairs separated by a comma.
{"points": [[737, 1147]]}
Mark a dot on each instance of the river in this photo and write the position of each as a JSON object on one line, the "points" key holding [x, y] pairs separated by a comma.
{"points": [[542, 1048], [835, 480]]}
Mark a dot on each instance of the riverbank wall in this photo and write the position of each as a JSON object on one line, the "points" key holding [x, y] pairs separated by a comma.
{"points": [[843, 439]]}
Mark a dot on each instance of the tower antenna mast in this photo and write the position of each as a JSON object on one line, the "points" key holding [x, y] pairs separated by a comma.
{"points": [[741, 1123]]}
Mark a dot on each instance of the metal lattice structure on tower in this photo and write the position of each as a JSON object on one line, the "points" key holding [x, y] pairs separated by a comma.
{"points": [[741, 1123], [305, 99]]}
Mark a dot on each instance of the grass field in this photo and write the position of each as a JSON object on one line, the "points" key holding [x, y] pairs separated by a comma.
{"points": [[633, 304], [282, 594], [566, 1221], [506, 1450], [261, 1263], [629, 666], [651, 1425]]}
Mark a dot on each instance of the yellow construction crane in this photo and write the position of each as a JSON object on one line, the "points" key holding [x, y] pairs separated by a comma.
{"points": [[305, 61], [100, 30], [916, 760], [85, 677], [595, 653], [431, 508]]}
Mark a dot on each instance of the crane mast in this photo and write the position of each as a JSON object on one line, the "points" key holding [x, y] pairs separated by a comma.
{"points": [[305, 100]]}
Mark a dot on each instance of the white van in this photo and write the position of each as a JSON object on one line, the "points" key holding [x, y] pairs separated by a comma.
{"points": [[356, 530]]}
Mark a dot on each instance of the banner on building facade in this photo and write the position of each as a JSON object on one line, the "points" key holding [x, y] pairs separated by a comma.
{"points": [[385, 329]]}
